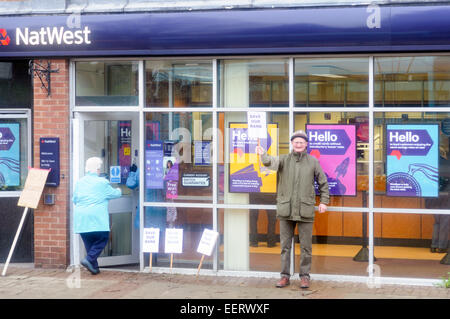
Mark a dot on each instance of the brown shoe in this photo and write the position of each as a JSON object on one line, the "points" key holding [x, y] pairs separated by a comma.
{"points": [[283, 282], [304, 282]]}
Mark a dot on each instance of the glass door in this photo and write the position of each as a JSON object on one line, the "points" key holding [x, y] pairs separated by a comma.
{"points": [[114, 138]]}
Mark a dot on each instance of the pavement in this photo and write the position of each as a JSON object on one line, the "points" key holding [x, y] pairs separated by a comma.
{"points": [[24, 281]]}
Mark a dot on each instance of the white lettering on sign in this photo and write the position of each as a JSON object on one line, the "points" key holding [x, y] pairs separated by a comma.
{"points": [[326, 137], [407, 137], [51, 36]]}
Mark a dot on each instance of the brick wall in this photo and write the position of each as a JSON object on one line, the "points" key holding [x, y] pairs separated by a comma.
{"points": [[51, 119]]}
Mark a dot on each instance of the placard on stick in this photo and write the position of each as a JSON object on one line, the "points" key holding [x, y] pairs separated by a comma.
{"points": [[150, 243], [34, 185], [257, 127], [150, 240], [173, 242], [31, 194], [206, 245]]}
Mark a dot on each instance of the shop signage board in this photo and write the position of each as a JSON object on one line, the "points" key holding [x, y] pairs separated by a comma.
{"points": [[335, 147], [382, 29], [9, 154], [49, 159], [412, 160], [247, 174]]}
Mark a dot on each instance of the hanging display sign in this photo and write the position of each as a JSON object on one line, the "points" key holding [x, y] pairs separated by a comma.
{"points": [[124, 149], [154, 169], [412, 160], [335, 148], [247, 174], [9, 154], [49, 159]]}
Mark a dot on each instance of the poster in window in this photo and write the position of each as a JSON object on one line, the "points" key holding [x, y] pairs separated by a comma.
{"points": [[247, 174], [154, 165], [335, 147], [124, 149], [412, 160], [9, 154]]}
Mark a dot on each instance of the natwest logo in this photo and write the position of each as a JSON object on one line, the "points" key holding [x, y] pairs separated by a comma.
{"points": [[4, 38], [52, 36]]}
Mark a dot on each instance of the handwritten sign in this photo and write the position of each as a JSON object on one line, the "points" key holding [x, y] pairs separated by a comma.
{"points": [[34, 185], [257, 125], [150, 240], [207, 242], [174, 241]]}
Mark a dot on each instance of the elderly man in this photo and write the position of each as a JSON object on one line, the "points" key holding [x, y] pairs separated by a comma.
{"points": [[296, 198]]}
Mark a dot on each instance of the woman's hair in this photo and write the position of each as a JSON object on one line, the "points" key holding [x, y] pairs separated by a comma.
{"points": [[93, 164]]}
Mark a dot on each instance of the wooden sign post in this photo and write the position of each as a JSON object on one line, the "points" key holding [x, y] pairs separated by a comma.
{"points": [[31, 194], [206, 245], [150, 243], [173, 242]]}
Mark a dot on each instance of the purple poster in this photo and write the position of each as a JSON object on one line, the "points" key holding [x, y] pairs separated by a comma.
{"points": [[154, 169], [124, 149], [335, 148]]}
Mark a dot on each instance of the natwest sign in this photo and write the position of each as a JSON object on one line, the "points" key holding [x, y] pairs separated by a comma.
{"points": [[52, 36]]}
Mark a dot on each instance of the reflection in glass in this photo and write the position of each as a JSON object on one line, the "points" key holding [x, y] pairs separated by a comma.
{"points": [[412, 81], [331, 82], [255, 83], [178, 83], [112, 83], [178, 157]]}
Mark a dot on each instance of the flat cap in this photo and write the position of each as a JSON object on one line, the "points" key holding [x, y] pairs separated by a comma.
{"points": [[301, 134]]}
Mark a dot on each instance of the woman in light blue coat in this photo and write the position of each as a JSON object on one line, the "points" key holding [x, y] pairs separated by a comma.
{"points": [[91, 218]]}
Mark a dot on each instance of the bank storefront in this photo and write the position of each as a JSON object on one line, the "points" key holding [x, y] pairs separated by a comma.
{"points": [[174, 101]]}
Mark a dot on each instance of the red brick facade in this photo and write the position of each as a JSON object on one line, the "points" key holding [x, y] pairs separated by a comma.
{"points": [[51, 119]]}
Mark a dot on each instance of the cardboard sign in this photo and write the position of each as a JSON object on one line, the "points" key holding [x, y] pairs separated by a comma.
{"points": [[150, 242], [207, 242], [257, 124], [174, 241], [34, 185]]}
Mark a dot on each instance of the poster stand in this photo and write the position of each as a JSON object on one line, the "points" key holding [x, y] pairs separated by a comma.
{"points": [[363, 254], [31, 194]]}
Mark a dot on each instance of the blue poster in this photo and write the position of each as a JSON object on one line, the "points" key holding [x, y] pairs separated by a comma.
{"points": [[202, 153], [412, 161], [154, 165], [9, 154]]}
